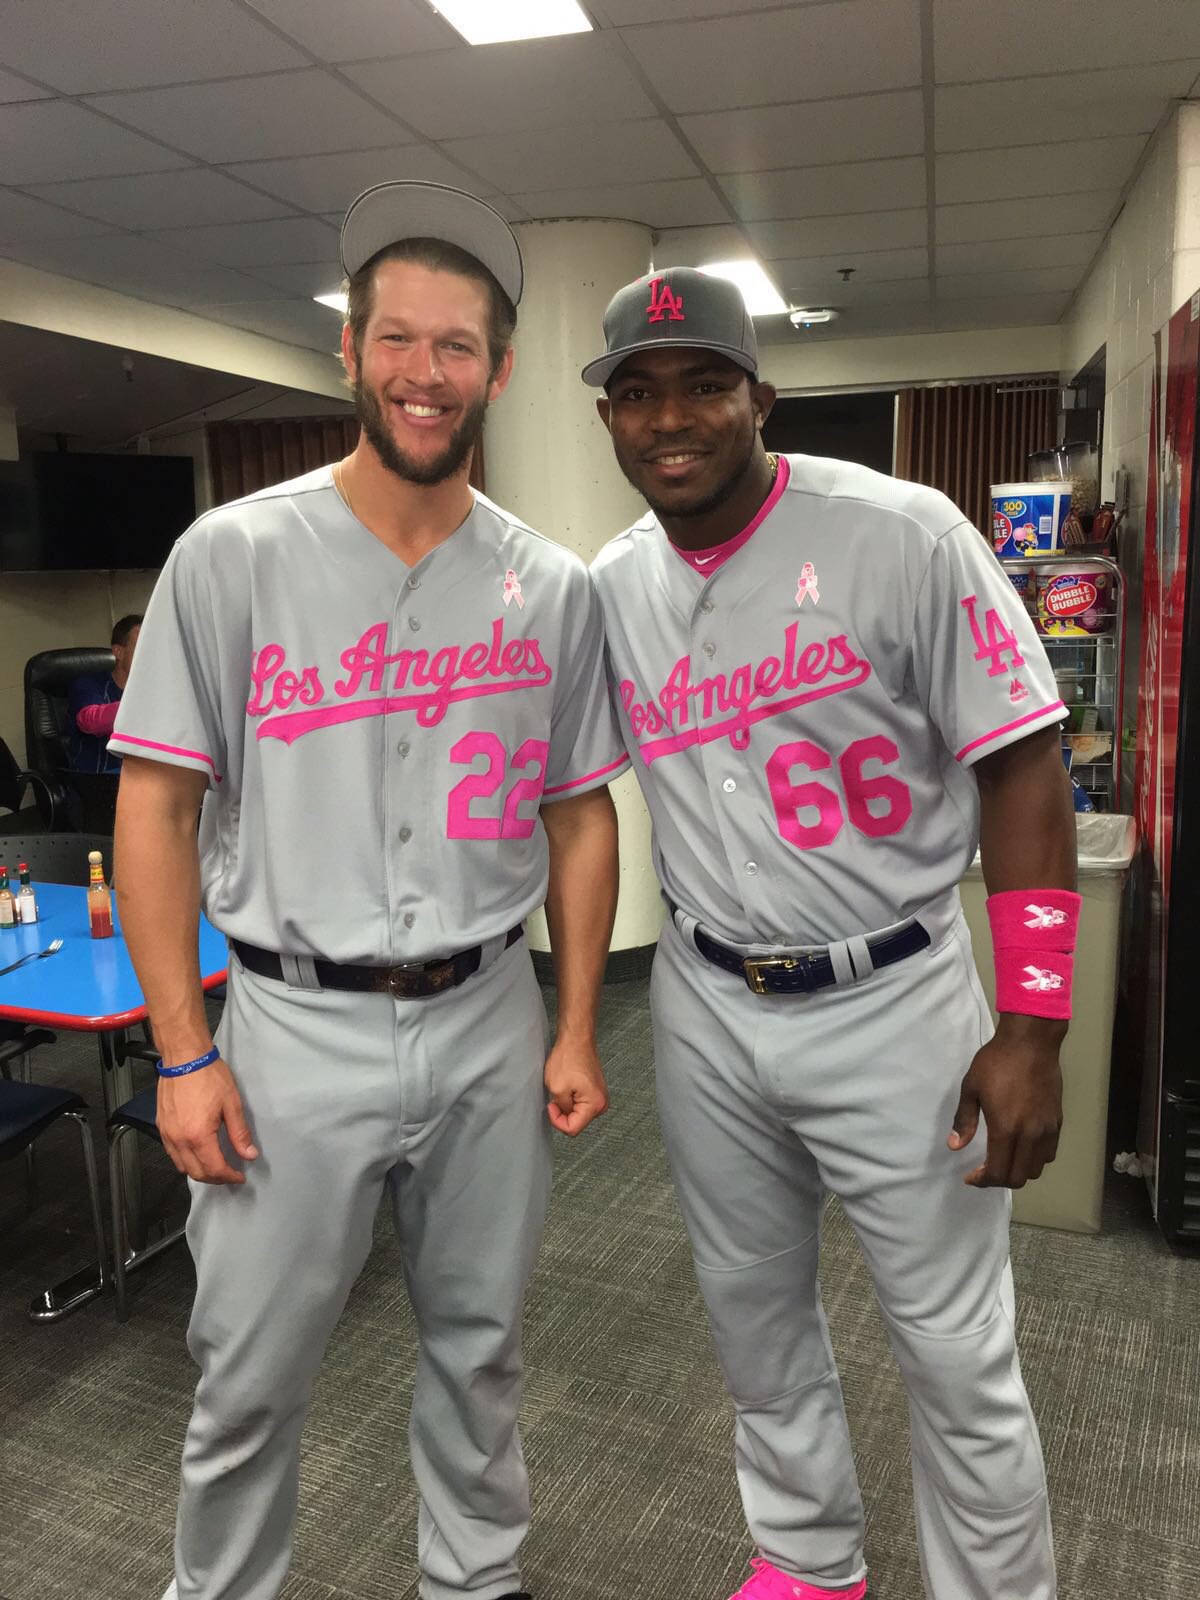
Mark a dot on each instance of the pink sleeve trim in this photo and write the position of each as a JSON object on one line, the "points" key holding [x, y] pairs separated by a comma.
{"points": [[168, 749], [98, 720], [1011, 727], [577, 783]]}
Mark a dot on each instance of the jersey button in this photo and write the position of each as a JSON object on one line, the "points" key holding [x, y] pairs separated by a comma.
{"points": [[706, 605], [403, 747], [414, 583], [404, 835], [409, 919], [729, 786], [710, 649], [752, 867], [414, 624]]}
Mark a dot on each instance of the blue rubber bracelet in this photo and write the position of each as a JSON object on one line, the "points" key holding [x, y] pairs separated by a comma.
{"points": [[206, 1060]]}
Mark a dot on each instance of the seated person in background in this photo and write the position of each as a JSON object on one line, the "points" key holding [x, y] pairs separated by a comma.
{"points": [[94, 699]]}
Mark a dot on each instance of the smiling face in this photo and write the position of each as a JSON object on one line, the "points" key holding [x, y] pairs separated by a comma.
{"points": [[684, 425], [422, 375]]}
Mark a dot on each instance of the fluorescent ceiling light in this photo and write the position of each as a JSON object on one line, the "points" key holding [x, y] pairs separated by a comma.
{"points": [[493, 21], [762, 298], [337, 301], [809, 316]]}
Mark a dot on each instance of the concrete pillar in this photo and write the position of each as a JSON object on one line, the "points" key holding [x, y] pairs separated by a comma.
{"points": [[550, 462]]}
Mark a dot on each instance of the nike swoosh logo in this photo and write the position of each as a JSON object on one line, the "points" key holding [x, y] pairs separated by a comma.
{"points": [[703, 560]]}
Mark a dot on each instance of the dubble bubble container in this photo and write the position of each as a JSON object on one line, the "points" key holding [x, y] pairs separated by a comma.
{"points": [[1027, 518]]}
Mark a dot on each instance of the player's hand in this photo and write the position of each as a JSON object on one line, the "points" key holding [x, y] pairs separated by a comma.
{"points": [[191, 1113], [576, 1086], [1016, 1081]]}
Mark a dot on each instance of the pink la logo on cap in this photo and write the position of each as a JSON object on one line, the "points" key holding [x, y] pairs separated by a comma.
{"points": [[665, 305]]}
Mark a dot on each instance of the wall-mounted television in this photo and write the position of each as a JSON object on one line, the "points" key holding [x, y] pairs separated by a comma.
{"points": [[62, 512]]}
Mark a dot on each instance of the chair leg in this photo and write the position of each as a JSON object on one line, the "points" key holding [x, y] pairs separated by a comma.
{"points": [[89, 1162], [119, 1231]]}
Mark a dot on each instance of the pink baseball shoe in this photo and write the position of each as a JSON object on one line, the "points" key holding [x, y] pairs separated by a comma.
{"points": [[768, 1583]]}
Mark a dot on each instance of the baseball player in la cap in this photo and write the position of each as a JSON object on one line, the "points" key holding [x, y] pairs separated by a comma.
{"points": [[830, 693], [385, 696]]}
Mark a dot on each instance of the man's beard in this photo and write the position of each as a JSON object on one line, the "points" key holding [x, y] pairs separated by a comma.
{"points": [[711, 502], [461, 442]]}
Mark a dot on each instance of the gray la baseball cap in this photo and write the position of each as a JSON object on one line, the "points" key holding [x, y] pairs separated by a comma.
{"points": [[406, 209], [675, 307]]}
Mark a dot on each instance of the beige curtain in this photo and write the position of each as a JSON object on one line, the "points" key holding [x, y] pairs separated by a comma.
{"points": [[962, 438], [247, 456]]}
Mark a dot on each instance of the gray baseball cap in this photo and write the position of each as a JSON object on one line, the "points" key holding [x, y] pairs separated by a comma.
{"points": [[406, 209], [677, 307]]}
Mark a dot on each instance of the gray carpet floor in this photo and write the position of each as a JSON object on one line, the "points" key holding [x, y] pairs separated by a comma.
{"points": [[626, 1428]]}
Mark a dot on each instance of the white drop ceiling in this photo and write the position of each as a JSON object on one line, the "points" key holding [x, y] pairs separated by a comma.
{"points": [[963, 157]]}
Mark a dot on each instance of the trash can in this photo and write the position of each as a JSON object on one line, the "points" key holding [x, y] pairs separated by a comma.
{"points": [[1068, 1194]]}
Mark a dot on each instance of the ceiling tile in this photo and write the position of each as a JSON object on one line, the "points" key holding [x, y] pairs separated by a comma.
{"points": [[14, 88], [329, 183], [47, 139], [307, 278], [1011, 255], [623, 12], [197, 195], [143, 268], [1075, 105], [860, 322], [681, 203], [772, 136], [689, 247], [294, 321], [290, 114], [820, 236], [804, 290], [256, 244], [82, 48], [360, 30], [1040, 280], [827, 191], [1023, 37], [610, 152], [25, 221], [1010, 311], [1027, 170], [821, 275], [849, 47], [490, 89], [1026, 219]]}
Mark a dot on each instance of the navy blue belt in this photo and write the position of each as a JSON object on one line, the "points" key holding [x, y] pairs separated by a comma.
{"points": [[412, 980], [802, 973]]}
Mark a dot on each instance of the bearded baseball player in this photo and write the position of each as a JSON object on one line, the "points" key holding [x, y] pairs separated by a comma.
{"points": [[385, 697], [830, 694]]}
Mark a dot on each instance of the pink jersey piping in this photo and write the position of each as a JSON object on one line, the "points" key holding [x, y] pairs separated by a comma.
{"points": [[170, 749], [717, 555], [559, 788], [1008, 727]]}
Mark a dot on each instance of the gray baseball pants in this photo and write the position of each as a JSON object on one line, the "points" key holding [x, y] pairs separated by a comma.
{"points": [[766, 1104], [440, 1103]]}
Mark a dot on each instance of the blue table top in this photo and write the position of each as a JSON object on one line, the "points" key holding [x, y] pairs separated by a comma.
{"points": [[90, 984]]}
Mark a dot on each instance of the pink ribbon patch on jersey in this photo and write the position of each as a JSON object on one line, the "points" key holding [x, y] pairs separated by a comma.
{"points": [[807, 589], [512, 590]]}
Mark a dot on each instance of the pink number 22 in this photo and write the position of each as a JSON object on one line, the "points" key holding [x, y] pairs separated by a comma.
{"points": [[461, 821]]}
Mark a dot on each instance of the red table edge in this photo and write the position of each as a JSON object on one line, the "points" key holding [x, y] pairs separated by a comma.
{"points": [[73, 1021]]}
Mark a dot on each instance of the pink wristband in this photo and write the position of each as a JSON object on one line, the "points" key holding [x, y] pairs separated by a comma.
{"points": [[1033, 936]]}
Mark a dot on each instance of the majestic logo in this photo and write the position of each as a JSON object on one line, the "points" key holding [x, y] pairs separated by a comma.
{"points": [[1045, 917], [1041, 980], [423, 683], [665, 305], [806, 588], [1017, 691], [685, 713], [512, 590]]}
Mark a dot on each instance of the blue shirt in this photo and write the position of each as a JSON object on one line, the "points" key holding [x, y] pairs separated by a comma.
{"points": [[85, 752]]}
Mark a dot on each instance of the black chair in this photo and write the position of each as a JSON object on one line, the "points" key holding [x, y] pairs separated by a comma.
{"points": [[89, 797], [135, 1116], [14, 784], [27, 1110]]}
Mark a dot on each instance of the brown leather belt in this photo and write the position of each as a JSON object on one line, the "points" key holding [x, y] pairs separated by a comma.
{"points": [[412, 980]]}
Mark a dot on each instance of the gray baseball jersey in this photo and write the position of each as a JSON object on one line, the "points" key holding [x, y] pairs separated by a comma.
{"points": [[377, 738], [804, 702]]}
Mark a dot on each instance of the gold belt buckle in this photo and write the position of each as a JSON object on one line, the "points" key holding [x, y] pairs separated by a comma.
{"points": [[754, 968], [416, 981]]}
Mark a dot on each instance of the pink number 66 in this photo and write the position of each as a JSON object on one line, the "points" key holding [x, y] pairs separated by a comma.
{"points": [[892, 799]]}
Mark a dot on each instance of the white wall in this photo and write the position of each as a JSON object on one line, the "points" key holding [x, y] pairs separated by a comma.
{"points": [[910, 358]]}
